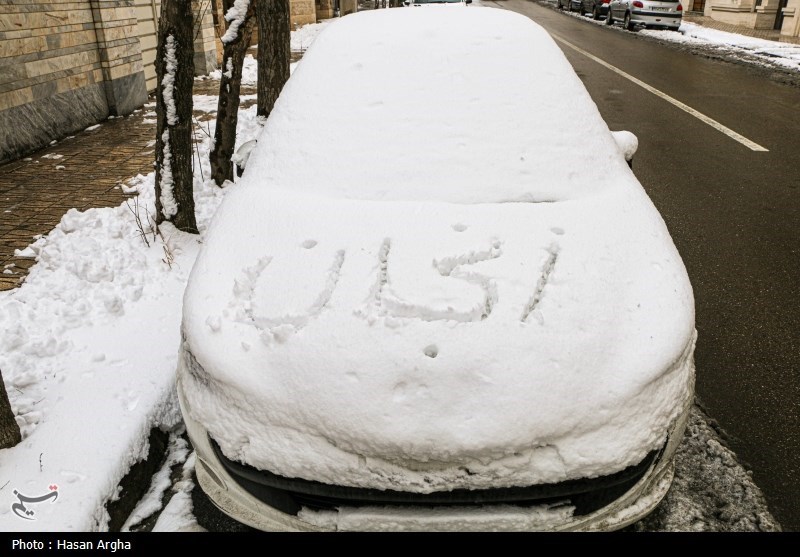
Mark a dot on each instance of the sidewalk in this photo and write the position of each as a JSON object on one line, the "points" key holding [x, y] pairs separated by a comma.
{"points": [[766, 34], [82, 171]]}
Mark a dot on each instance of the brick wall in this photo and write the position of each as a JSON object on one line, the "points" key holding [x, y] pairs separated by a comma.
{"points": [[205, 48], [46, 49], [146, 30], [64, 65], [147, 15], [67, 64]]}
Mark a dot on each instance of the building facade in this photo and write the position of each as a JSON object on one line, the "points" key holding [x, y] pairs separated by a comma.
{"points": [[68, 64], [780, 15]]}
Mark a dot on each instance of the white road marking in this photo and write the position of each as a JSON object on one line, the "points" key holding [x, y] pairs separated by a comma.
{"points": [[688, 109]]}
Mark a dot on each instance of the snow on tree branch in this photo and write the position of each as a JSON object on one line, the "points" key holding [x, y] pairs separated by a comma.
{"points": [[236, 15]]}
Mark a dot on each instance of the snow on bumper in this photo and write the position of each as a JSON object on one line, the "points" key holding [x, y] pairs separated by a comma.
{"points": [[631, 506]]}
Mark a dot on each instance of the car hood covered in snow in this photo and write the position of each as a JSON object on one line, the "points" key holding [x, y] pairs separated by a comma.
{"points": [[371, 311]]}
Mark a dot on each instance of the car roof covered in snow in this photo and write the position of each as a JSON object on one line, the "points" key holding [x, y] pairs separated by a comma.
{"points": [[466, 106]]}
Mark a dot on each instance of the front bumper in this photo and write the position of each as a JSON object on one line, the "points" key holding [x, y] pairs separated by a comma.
{"points": [[228, 487]]}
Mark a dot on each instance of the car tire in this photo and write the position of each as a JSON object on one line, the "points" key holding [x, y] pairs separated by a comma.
{"points": [[627, 24], [595, 13], [609, 17]]}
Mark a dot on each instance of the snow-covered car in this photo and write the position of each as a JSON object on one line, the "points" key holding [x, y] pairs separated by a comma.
{"points": [[426, 312], [666, 14], [416, 3]]}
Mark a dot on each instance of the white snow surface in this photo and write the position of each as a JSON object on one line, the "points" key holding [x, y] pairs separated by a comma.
{"points": [[169, 206], [235, 16], [305, 35], [522, 157], [177, 452], [627, 142], [168, 81], [786, 55], [178, 515], [471, 306], [301, 39], [249, 71], [209, 103]]}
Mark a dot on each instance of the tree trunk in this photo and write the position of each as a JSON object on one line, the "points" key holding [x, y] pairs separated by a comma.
{"points": [[9, 430], [274, 51], [235, 48], [175, 78]]}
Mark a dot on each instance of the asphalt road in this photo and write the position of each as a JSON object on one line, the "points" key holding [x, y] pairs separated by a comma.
{"points": [[734, 215]]}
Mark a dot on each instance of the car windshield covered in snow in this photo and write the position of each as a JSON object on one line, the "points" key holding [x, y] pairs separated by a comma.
{"points": [[383, 125], [427, 310], [437, 1]]}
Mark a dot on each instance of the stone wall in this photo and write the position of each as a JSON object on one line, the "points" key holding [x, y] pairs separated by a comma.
{"points": [[120, 54], [348, 7], [147, 12], [64, 66], [755, 14], [302, 12], [68, 64], [324, 9], [205, 50]]}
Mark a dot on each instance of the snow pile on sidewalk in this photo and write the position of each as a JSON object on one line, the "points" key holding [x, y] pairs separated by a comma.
{"points": [[303, 37], [89, 353], [785, 55]]}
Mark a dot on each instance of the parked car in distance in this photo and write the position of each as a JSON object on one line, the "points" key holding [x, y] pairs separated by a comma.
{"points": [[597, 9], [428, 311], [659, 14], [570, 5]]}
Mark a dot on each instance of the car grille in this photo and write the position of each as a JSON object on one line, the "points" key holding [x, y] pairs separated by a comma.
{"points": [[289, 495]]}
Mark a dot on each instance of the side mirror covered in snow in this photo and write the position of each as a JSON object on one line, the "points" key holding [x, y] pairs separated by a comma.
{"points": [[241, 155], [628, 143]]}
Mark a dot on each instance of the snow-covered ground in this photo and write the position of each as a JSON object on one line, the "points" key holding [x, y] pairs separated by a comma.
{"points": [[785, 55], [88, 352]]}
